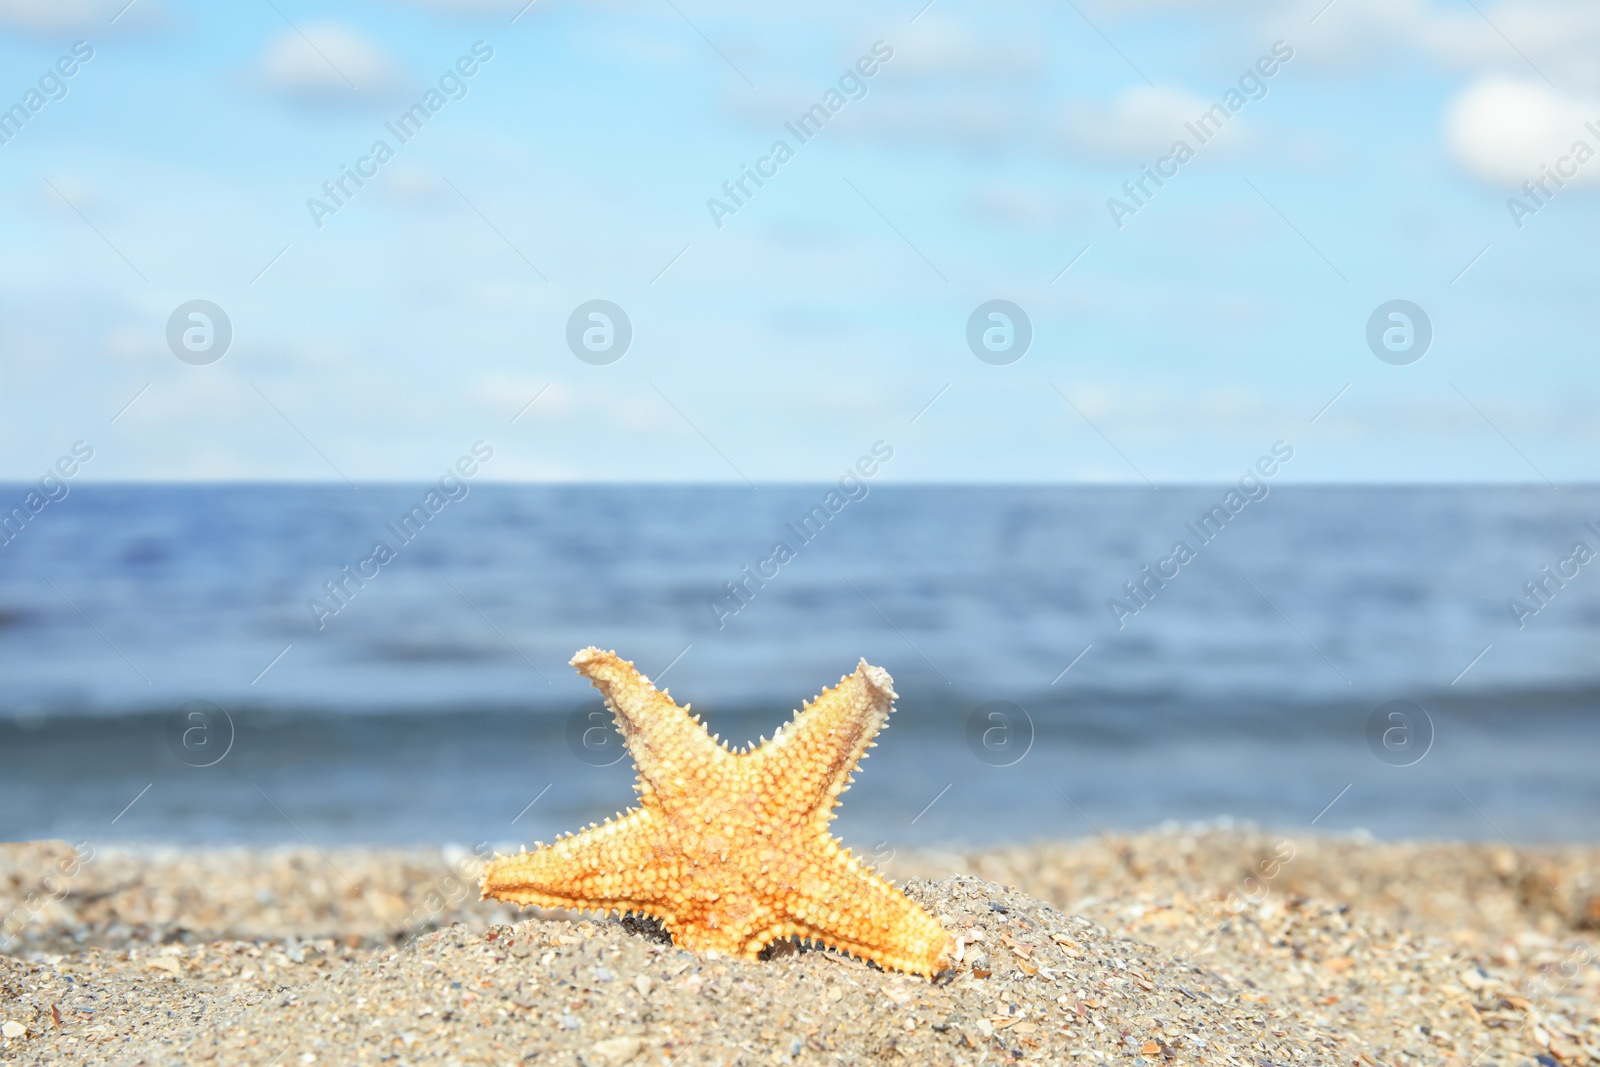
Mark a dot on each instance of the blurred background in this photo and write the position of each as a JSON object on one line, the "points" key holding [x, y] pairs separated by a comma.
{"points": [[581, 311]]}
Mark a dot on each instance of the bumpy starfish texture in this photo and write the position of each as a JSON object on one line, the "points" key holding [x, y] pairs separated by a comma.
{"points": [[731, 850]]}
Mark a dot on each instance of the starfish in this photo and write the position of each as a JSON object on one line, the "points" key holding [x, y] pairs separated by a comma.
{"points": [[731, 850]]}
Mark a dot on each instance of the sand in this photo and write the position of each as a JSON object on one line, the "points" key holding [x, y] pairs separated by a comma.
{"points": [[1165, 948]]}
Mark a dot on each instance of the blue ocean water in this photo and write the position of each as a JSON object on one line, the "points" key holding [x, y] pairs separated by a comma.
{"points": [[175, 667]]}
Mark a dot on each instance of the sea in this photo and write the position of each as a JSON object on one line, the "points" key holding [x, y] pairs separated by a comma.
{"points": [[283, 664]]}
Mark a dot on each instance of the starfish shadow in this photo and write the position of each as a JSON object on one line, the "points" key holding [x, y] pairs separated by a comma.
{"points": [[647, 927]]}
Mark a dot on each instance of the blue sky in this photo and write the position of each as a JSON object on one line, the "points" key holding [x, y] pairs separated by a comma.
{"points": [[831, 308]]}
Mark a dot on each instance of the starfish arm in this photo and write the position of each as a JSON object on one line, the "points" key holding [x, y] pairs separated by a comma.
{"points": [[613, 866], [828, 738], [671, 750], [845, 905]]}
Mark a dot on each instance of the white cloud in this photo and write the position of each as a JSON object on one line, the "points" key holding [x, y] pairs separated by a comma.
{"points": [[71, 16], [937, 47], [412, 185], [970, 122], [1504, 130], [478, 7], [326, 63], [1011, 204], [1138, 7], [1355, 35], [67, 195], [1555, 39], [1138, 123], [944, 85], [1510, 119]]}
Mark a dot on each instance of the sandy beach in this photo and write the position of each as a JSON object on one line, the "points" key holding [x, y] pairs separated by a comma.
{"points": [[1167, 947]]}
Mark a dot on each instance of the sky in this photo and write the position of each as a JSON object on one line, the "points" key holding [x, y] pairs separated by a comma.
{"points": [[1174, 334]]}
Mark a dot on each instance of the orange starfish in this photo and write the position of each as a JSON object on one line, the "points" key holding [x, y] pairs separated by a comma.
{"points": [[731, 850]]}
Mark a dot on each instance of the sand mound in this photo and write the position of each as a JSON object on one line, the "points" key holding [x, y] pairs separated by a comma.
{"points": [[1456, 954], [1032, 984]]}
